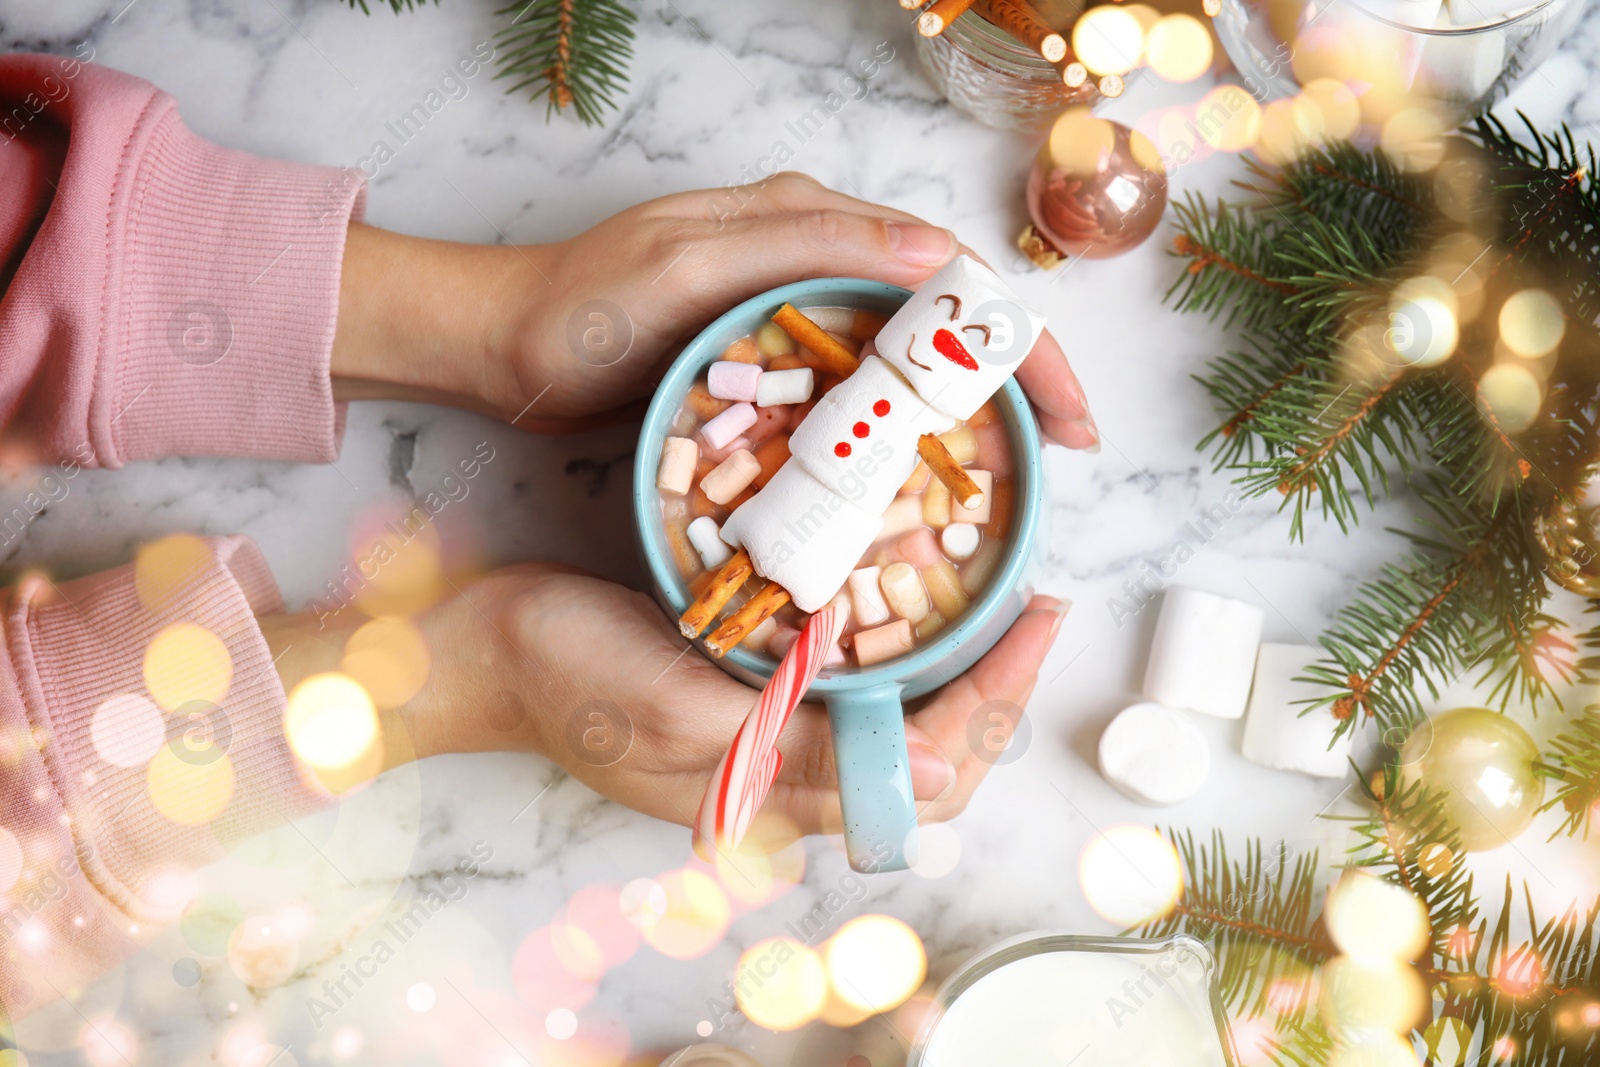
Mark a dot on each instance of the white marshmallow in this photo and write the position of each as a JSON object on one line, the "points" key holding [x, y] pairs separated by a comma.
{"points": [[802, 535], [980, 514], [833, 320], [960, 540], [707, 540], [1461, 68], [901, 517], [761, 637], [728, 379], [1474, 12], [720, 430], [957, 353], [1203, 653], [881, 448], [1154, 754], [730, 477], [903, 590], [678, 458], [865, 598], [1278, 731], [792, 386]]}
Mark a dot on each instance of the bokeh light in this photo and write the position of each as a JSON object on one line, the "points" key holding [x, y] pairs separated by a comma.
{"points": [[1327, 110], [107, 1041], [190, 790], [331, 720], [389, 658], [1229, 119], [1362, 1000], [561, 1024], [187, 662], [1374, 920], [1375, 1050], [208, 922], [597, 911], [1511, 395], [643, 902], [875, 962], [1414, 138], [1178, 48], [421, 997], [696, 916], [346, 1043], [1423, 331], [261, 954], [397, 576], [556, 967], [165, 568], [769, 860], [780, 984], [940, 851], [1531, 323], [127, 729], [1108, 40], [1080, 142], [1130, 874]]}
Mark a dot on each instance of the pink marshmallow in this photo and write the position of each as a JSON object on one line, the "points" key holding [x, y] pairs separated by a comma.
{"points": [[769, 423], [720, 430], [781, 640], [919, 548], [729, 380], [994, 450]]}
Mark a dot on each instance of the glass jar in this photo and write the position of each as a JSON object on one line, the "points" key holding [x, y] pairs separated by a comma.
{"points": [[994, 77], [1458, 69], [1047, 998]]}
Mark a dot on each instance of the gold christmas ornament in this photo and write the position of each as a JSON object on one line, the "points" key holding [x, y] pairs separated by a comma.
{"points": [[1571, 548], [1482, 764]]}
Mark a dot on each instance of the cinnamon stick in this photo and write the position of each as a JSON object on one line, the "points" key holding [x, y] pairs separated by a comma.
{"points": [[941, 14], [963, 490], [1022, 21], [716, 594], [838, 359], [757, 610]]}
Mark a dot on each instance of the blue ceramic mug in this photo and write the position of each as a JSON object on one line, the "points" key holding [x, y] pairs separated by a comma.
{"points": [[865, 706]]}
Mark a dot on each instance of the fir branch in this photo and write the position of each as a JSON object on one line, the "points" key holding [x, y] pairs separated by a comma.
{"points": [[397, 5], [1231, 264], [574, 53], [1341, 185], [1257, 915], [1573, 760]]}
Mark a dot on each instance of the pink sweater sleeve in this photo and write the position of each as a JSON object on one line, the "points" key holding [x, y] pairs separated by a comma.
{"points": [[162, 294], [109, 795]]}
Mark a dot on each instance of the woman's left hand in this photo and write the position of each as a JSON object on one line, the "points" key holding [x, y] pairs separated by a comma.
{"points": [[562, 336]]}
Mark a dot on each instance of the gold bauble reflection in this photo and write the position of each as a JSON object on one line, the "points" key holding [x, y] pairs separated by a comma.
{"points": [[1482, 765], [1571, 543]]}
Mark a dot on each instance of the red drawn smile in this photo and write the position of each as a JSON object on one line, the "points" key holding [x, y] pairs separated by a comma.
{"points": [[950, 347]]}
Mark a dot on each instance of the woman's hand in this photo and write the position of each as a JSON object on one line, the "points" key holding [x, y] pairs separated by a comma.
{"points": [[557, 337], [594, 676]]}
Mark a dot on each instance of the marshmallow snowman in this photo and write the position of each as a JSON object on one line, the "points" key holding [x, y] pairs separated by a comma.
{"points": [[941, 357]]}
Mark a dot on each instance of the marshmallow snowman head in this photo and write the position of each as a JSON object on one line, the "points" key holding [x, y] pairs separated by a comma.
{"points": [[960, 337]]}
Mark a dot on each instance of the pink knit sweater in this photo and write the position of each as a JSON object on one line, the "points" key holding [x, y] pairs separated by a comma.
{"points": [[162, 295]]}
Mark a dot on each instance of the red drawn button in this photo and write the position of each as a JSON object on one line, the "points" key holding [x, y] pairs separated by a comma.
{"points": [[861, 429], [881, 408], [842, 449]]}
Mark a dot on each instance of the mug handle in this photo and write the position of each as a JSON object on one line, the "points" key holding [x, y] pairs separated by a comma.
{"points": [[869, 750]]}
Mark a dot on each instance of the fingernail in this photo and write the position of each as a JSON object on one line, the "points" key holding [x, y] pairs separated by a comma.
{"points": [[1061, 616], [1087, 423], [933, 777], [921, 246]]}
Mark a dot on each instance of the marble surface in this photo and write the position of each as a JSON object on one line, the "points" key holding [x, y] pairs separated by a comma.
{"points": [[712, 88]]}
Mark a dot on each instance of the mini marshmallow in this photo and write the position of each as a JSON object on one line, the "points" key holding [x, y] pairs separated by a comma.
{"points": [[678, 458], [961, 443], [959, 337], [729, 380], [802, 535], [980, 514], [884, 642], [782, 639], [833, 320], [785, 387], [903, 516], [903, 589], [1278, 731], [960, 540], [919, 548], [1154, 754], [730, 477], [1461, 68], [722, 429], [1203, 653], [707, 540], [865, 598], [861, 438]]}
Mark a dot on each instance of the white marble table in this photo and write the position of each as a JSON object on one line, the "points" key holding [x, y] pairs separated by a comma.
{"points": [[713, 86]]}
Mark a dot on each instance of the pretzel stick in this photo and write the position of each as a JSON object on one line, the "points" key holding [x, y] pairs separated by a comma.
{"points": [[963, 490], [716, 594], [756, 611], [1020, 20], [838, 359], [933, 21], [912, 5]]}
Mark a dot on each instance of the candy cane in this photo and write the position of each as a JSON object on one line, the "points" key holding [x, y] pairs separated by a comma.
{"points": [[748, 769]]}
